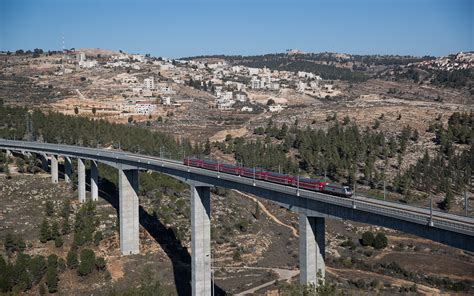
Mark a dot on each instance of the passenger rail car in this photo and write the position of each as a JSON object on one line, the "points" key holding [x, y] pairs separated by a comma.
{"points": [[258, 174]]}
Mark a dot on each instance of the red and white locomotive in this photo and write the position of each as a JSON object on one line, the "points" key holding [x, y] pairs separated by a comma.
{"points": [[258, 174]]}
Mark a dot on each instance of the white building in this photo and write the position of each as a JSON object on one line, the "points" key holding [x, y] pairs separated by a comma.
{"points": [[167, 89], [308, 75], [255, 83], [147, 93], [314, 85], [144, 107], [149, 83], [241, 97], [276, 108], [246, 109], [236, 69], [301, 86], [127, 79], [139, 58], [88, 64], [166, 101], [228, 95], [81, 57], [253, 71]]}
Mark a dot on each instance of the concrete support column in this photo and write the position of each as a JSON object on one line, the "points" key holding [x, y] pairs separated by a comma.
{"points": [[54, 169], [128, 211], [201, 240], [9, 153], [94, 181], [81, 179], [312, 249], [67, 169]]}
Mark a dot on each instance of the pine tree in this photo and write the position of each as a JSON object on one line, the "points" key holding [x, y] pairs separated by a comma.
{"points": [[52, 280], [87, 262], [66, 227], [49, 208], [257, 211], [71, 259], [55, 230], [45, 232]]}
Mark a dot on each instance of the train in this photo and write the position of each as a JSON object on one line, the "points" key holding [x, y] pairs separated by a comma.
{"points": [[259, 174]]}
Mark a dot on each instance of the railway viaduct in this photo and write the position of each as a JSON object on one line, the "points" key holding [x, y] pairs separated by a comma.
{"points": [[312, 207]]}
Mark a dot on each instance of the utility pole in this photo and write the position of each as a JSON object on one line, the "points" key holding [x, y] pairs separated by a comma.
{"points": [[253, 176], [353, 195], [384, 192], [466, 212], [431, 211], [298, 184], [466, 200]]}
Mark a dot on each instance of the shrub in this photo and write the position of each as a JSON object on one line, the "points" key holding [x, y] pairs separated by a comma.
{"points": [[98, 236], [367, 238], [349, 243], [380, 241], [58, 242], [100, 263]]}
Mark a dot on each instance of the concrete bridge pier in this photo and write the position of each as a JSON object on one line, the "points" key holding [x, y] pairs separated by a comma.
{"points": [[54, 169], [201, 240], [67, 169], [128, 211], [9, 153], [94, 181], [312, 249], [81, 180]]}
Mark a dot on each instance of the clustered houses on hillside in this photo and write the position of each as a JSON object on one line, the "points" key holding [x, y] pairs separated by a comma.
{"points": [[233, 86], [462, 60]]}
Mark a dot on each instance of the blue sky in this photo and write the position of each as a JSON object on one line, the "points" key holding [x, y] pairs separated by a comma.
{"points": [[184, 28]]}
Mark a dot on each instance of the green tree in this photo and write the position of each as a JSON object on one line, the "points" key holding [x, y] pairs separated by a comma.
{"points": [[76, 110], [58, 242], [20, 163], [94, 110], [71, 259], [346, 120], [257, 211], [49, 208], [66, 226], [448, 199], [45, 232], [207, 147], [380, 241], [55, 230], [87, 262], [52, 280], [367, 238], [66, 209]]}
